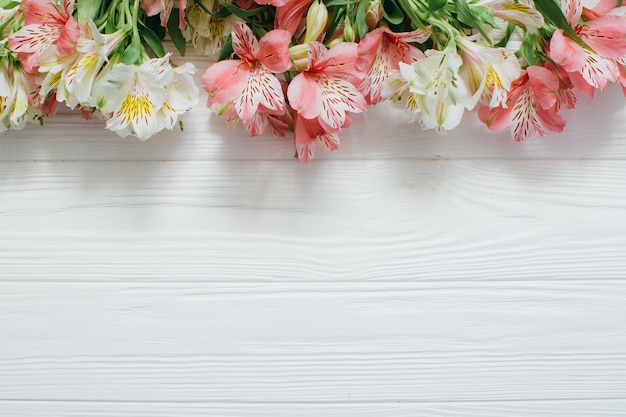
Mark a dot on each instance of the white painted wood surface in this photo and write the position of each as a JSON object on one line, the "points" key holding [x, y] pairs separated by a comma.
{"points": [[205, 273]]}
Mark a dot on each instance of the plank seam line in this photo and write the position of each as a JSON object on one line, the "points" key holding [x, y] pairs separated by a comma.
{"points": [[317, 161], [346, 284], [381, 402]]}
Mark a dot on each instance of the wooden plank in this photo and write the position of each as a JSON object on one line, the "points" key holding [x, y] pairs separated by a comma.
{"points": [[570, 408], [327, 221], [594, 131], [339, 342]]}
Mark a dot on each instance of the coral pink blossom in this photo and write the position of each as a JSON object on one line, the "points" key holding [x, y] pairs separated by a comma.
{"points": [[290, 16], [327, 90], [602, 8], [164, 7], [250, 82], [310, 135], [590, 68], [380, 52], [46, 27], [532, 106]]}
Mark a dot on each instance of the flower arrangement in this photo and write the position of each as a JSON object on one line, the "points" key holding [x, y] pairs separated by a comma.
{"points": [[102, 56], [304, 66]]}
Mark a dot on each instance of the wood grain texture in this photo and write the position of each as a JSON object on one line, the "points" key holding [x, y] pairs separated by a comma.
{"points": [[339, 342], [327, 221], [570, 408], [594, 131], [406, 275]]}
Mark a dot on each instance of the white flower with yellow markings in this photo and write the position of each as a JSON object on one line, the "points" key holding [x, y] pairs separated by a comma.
{"points": [[434, 90], [93, 52], [488, 72], [182, 94], [142, 100], [130, 97], [206, 32], [15, 88]]}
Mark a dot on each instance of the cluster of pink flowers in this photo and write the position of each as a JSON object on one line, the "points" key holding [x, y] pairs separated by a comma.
{"points": [[300, 68], [517, 62]]}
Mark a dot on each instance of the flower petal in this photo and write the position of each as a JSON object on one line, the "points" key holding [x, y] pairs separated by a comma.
{"points": [[305, 96], [245, 45], [262, 88], [273, 51], [225, 80]]}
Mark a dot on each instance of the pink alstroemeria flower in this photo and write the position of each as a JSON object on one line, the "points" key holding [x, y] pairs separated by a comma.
{"points": [[310, 135], [532, 106], [46, 26], [250, 82], [380, 52], [327, 90], [606, 36], [602, 8], [290, 15]]}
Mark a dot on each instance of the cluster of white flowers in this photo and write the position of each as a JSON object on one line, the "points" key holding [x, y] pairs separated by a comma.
{"points": [[52, 56]]}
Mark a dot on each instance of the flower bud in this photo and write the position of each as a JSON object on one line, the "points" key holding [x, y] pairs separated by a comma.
{"points": [[299, 55], [316, 19], [373, 13], [348, 30]]}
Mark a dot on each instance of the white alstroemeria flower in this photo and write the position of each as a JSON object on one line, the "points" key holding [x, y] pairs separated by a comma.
{"points": [[488, 72], [182, 94], [131, 97], [14, 90], [397, 90], [53, 69], [523, 14], [93, 52], [206, 32], [438, 89]]}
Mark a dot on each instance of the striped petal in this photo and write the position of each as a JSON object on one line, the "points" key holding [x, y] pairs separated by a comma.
{"points": [[245, 45], [338, 97], [34, 38], [262, 88]]}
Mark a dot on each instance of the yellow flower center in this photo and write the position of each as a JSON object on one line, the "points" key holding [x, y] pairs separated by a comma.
{"points": [[216, 27], [136, 107], [493, 78]]}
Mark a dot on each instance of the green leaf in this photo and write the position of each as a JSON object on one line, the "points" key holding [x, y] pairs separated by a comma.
{"points": [[8, 4], [241, 13], [465, 15], [154, 23], [340, 2], [227, 49], [133, 51], [483, 14], [510, 28], [528, 50], [412, 14], [552, 12], [436, 5], [335, 19], [393, 13], [152, 40], [361, 25], [175, 33], [88, 9]]}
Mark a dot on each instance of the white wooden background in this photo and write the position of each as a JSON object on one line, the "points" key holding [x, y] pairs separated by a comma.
{"points": [[407, 274]]}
